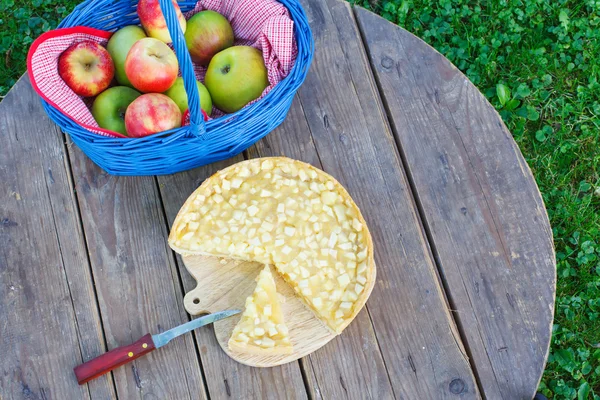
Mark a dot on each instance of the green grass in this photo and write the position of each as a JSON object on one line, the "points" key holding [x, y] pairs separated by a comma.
{"points": [[538, 62], [22, 22]]}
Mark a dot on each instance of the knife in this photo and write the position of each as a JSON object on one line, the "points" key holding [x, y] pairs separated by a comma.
{"points": [[121, 355]]}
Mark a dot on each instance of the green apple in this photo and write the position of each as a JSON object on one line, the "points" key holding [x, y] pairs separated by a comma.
{"points": [[110, 106], [235, 77], [207, 33], [179, 96], [119, 45]]}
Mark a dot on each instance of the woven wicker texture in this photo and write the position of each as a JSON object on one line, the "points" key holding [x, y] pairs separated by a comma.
{"points": [[201, 142]]}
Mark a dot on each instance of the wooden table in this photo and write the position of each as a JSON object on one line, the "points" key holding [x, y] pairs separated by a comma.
{"points": [[464, 297]]}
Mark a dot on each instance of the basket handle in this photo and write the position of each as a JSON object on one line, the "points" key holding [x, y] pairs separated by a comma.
{"points": [[185, 64]]}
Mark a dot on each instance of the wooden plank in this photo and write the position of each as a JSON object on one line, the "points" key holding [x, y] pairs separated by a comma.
{"points": [[351, 365], [48, 309], [414, 329], [226, 378], [480, 204], [136, 280]]}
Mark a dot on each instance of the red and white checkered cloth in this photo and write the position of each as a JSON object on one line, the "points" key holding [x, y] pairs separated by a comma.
{"points": [[263, 24]]}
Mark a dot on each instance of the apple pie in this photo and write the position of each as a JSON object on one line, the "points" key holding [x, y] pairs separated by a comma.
{"points": [[262, 329], [293, 216]]}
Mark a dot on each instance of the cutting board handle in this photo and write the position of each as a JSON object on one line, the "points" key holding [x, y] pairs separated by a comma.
{"points": [[115, 358]]}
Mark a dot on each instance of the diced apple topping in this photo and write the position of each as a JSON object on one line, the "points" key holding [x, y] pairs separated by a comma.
{"points": [[285, 213], [261, 326]]}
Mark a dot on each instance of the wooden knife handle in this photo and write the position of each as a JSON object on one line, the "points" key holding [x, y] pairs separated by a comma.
{"points": [[113, 359]]}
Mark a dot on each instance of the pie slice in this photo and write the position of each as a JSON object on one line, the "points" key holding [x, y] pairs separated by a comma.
{"points": [[290, 215], [262, 329]]}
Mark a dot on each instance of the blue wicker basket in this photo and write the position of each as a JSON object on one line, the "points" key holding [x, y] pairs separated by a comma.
{"points": [[201, 142]]}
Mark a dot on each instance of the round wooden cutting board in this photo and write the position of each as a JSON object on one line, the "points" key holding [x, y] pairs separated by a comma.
{"points": [[225, 284]]}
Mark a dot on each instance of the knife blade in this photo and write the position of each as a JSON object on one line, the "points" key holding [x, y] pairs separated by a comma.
{"points": [[163, 338], [121, 355]]}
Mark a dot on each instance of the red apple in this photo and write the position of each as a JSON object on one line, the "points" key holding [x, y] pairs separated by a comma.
{"points": [[151, 113], [208, 33], [86, 67], [153, 20], [151, 66]]}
